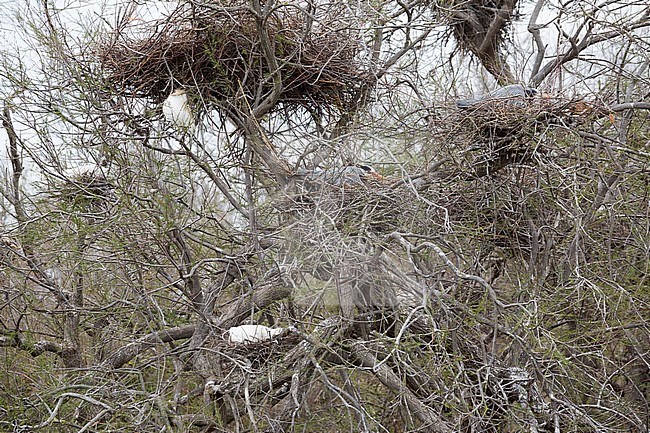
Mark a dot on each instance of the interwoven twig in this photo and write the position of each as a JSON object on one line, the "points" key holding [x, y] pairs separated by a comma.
{"points": [[216, 49]]}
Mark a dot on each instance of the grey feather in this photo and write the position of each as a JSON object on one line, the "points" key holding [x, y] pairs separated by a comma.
{"points": [[515, 92], [338, 177]]}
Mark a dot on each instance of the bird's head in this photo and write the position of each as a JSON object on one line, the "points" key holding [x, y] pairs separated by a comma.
{"points": [[530, 92], [370, 172], [179, 92]]}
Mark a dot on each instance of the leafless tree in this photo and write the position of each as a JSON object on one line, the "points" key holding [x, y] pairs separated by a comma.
{"points": [[489, 274]]}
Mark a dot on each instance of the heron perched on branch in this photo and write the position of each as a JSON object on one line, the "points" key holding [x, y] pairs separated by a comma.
{"points": [[348, 176], [515, 94], [177, 111]]}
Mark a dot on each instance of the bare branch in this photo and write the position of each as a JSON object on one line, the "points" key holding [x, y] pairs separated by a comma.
{"points": [[261, 16], [424, 413], [534, 30], [131, 350], [16, 163], [577, 47], [630, 106], [412, 248], [18, 341], [500, 19]]}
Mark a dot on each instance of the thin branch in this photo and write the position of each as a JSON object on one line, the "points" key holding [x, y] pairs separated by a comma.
{"points": [[107, 409], [242, 306], [423, 412], [16, 163], [17, 340], [460, 274], [630, 106], [191, 278], [269, 101], [576, 48], [534, 30], [220, 183], [500, 19], [131, 350]]}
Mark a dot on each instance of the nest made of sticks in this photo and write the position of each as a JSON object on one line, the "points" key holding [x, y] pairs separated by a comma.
{"points": [[495, 133], [512, 125], [471, 21], [217, 49], [354, 209], [86, 191]]}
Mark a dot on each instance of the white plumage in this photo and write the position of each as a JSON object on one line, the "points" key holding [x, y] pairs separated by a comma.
{"points": [[252, 333], [177, 111]]}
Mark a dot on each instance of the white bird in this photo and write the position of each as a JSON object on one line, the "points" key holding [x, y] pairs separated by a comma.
{"points": [[177, 111], [252, 333]]}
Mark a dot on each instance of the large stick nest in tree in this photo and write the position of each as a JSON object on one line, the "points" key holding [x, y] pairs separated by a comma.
{"points": [[471, 21], [496, 133], [495, 119], [217, 49]]}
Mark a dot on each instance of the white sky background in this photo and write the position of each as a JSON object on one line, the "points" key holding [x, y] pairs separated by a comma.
{"points": [[464, 82]]}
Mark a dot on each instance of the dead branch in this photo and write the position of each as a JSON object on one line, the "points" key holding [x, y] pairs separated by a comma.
{"points": [[424, 413], [131, 350]]}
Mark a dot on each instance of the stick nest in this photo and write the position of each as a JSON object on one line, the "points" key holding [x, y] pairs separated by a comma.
{"points": [[508, 121], [497, 133], [471, 21], [217, 49]]}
